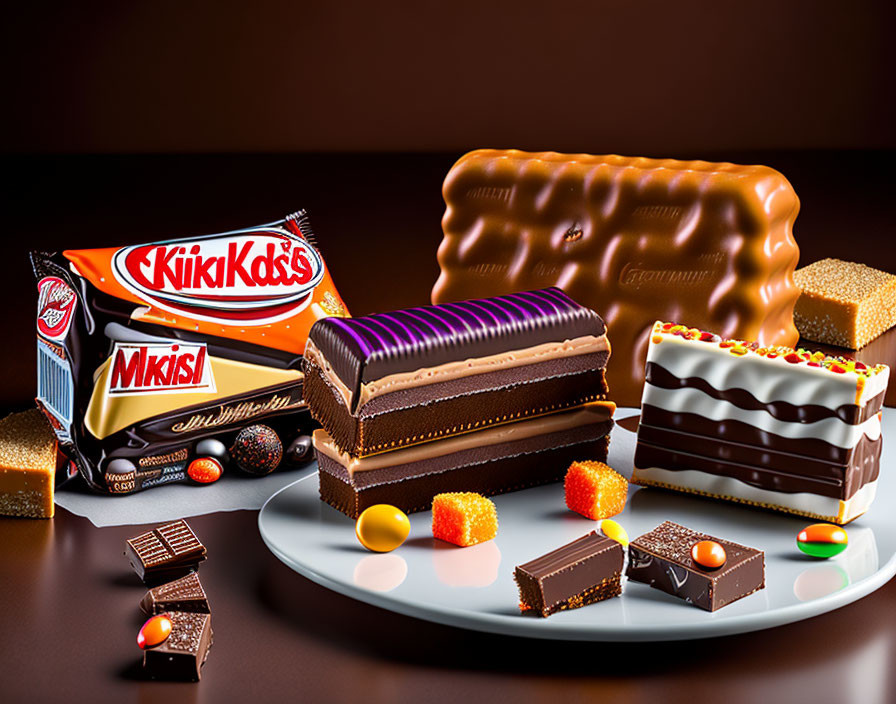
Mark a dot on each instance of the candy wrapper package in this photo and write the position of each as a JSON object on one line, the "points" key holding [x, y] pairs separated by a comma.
{"points": [[150, 356]]}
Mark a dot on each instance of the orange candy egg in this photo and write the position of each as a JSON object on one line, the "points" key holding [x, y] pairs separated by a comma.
{"points": [[708, 554], [205, 470], [154, 632]]}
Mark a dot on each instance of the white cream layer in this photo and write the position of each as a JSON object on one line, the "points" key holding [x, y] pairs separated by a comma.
{"points": [[832, 430], [804, 502], [766, 379]]}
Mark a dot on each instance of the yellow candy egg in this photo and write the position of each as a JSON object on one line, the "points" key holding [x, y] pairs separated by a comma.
{"points": [[614, 531], [382, 528]]}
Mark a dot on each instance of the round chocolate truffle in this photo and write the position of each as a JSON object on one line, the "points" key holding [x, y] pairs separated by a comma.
{"points": [[214, 448], [299, 450], [257, 450]]}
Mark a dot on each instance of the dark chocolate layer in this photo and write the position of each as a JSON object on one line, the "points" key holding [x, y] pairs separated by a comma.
{"points": [[493, 474], [773, 480], [471, 457], [439, 410], [371, 347], [782, 410], [735, 431], [662, 559], [561, 578], [778, 471]]}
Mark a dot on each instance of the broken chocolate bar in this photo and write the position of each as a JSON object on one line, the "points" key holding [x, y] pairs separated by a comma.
{"points": [[392, 380], [490, 461], [637, 239], [182, 654], [577, 574], [663, 559], [165, 553], [184, 594]]}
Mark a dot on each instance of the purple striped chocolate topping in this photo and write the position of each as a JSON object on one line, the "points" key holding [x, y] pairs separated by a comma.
{"points": [[371, 347]]}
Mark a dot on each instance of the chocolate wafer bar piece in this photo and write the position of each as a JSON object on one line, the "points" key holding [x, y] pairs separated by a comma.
{"points": [[774, 427], [165, 553], [577, 574], [182, 655], [391, 380], [662, 559], [637, 239], [844, 303], [184, 594], [491, 461]]}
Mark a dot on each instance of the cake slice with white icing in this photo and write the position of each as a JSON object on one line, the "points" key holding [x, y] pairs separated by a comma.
{"points": [[773, 427]]}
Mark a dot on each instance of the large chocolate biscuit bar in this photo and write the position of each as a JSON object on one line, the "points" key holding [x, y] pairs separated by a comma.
{"points": [[491, 461], [637, 239], [392, 380], [775, 427]]}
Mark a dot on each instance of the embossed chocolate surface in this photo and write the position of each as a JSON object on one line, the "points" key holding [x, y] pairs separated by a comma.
{"points": [[636, 239]]}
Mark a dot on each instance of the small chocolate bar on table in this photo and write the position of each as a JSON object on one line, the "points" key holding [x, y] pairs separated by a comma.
{"points": [[184, 594], [165, 553], [391, 380], [662, 558], [582, 572], [182, 654]]}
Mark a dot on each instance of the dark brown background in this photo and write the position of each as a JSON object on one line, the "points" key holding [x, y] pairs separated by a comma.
{"points": [[400, 90], [643, 78]]}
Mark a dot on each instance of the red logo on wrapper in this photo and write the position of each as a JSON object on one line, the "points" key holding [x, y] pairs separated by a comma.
{"points": [[55, 307], [179, 367], [245, 277]]}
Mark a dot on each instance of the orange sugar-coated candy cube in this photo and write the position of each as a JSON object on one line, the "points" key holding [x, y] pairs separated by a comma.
{"points": [[595, 490], [463, 518]]}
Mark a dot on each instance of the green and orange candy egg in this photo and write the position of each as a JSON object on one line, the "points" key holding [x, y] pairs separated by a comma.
{"points": [[822, 540]]}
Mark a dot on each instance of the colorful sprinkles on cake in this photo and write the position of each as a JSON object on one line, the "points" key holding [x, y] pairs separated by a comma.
{"points": [[837, 365]]}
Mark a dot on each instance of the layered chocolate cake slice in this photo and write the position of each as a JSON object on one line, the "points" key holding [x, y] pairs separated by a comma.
{"points": [[393, 380], [773, 427], [495, 460]]}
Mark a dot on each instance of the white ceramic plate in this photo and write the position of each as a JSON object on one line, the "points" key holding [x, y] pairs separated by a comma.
{"points": [[474, 587]]}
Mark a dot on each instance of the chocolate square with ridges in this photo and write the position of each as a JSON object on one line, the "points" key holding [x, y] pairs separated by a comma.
{"points": [[165, 553]]}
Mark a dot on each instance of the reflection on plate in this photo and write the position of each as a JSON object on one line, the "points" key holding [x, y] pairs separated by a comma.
{"points": [[474, 587], [380, 573], [858, 561], [475, 566]]}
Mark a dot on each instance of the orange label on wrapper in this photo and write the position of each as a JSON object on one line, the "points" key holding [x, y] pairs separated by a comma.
{"points": [[265, 285]]}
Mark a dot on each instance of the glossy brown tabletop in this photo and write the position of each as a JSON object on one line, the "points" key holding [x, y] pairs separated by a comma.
{"points": [[68, 599]]}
